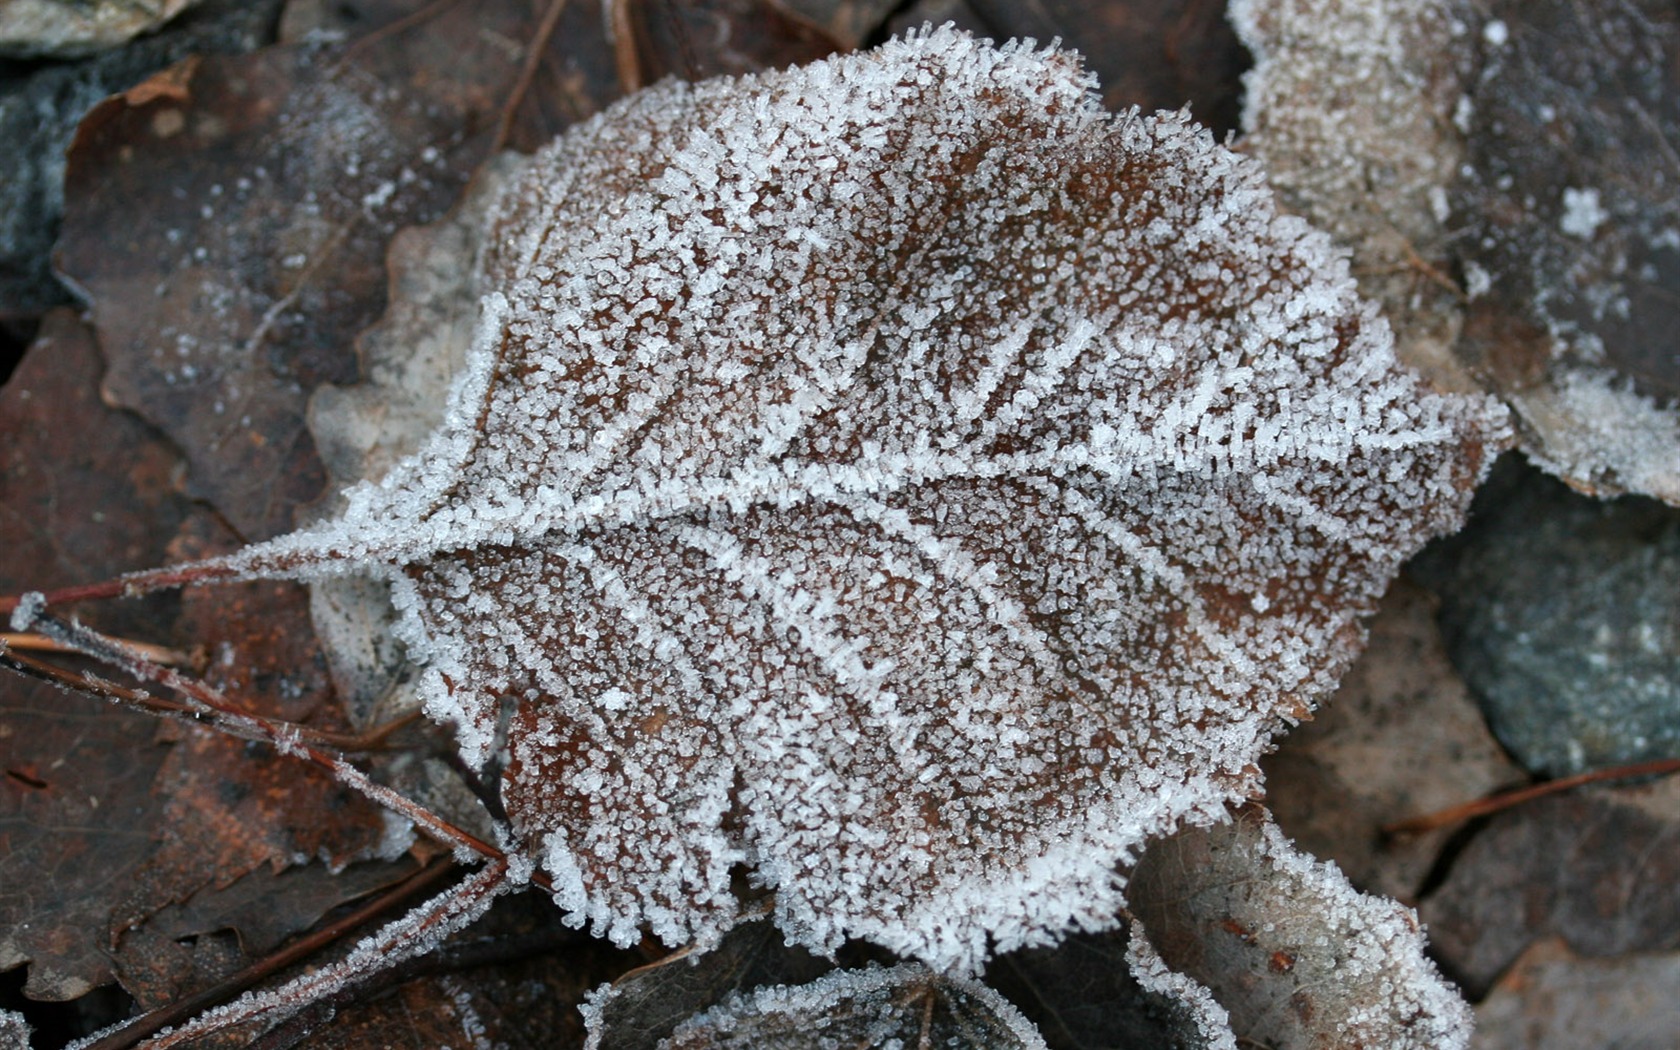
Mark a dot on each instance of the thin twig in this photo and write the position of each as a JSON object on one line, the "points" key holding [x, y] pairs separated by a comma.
{"points": [[37, 643], [1505, 800], [205, 701], [16, 659], [527, 73]]}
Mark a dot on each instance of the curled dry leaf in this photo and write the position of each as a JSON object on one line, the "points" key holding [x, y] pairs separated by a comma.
{"points": [[1296, 955], [902, 480]]}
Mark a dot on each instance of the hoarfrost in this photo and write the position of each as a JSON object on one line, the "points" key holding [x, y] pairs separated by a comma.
{"points": [[904, 1006], [904, 481], [1286, 944], [1356, 107]]}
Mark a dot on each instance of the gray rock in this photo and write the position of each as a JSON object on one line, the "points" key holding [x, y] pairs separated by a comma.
{"points": [[73, 28], [1563, 614], [40, 106]]}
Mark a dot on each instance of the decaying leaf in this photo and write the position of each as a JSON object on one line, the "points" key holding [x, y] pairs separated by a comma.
{"points": [[1553, 998], [899, 478], [1297, 957], [1596, 867]]}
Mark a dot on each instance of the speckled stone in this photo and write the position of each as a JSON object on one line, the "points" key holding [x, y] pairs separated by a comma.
{"points": [[1563, 614]]}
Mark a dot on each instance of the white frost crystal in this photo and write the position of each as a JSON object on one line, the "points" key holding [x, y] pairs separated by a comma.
{"points": [[900, 481]]}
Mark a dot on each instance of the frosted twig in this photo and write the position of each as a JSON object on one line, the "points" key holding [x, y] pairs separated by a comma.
{"points": [[419, 931]]}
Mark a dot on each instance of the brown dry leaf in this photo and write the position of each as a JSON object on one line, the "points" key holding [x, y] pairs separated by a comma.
{"points": [[1553, 999], [1299, 959], [998, 488], [1597, 867], [851, 22], [106, 824], [1401, 736], [697, 39], [82, 490], [228, 221], [1144, 53]]}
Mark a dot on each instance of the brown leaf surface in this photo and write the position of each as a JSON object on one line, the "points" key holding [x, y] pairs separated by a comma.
{"points": [[1553, 999], [105, 823], [269, 185], [1597, 867], [1297, 956], [85, 491], [1144, 53], [697, 39]]}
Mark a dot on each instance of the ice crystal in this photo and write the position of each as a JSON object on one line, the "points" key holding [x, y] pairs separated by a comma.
{"points": [[900, 481], [902, 1007]]}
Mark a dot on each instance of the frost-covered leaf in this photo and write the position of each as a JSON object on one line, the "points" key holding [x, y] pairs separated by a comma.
{"points": [[904, 1006], [902, 480], [1296, 955], [14, 1031]]}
